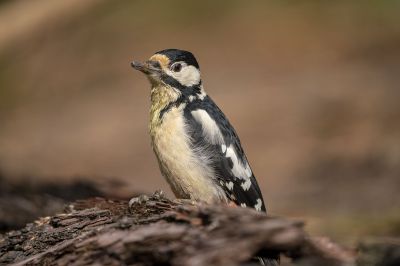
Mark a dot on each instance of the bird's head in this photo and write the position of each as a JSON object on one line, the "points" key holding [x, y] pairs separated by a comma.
{"points": [[172, 68]]}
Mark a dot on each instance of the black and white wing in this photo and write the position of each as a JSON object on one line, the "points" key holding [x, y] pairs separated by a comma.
{"points": [[211, 132]]}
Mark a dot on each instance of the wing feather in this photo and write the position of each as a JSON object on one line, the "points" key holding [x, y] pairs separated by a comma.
{"points": [[211, 132]]}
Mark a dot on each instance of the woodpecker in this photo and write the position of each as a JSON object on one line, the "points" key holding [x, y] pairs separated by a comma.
{"points": [[198, 150]]}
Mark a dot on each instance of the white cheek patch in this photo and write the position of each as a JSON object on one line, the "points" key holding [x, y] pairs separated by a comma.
{"points": [[211, 131], [188, 76], [239, 170]]}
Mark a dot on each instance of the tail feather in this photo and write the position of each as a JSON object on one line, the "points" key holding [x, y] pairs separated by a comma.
{"points": [[268, 261]]}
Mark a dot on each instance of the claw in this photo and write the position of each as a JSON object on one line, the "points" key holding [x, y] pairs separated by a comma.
{"points": [[138, 200], [159, 194]]}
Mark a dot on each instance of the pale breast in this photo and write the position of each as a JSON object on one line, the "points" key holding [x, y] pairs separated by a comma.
{"points": [[187, 172]]}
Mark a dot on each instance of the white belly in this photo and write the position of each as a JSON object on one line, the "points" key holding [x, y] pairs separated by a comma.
{"points": [[186, 172]]}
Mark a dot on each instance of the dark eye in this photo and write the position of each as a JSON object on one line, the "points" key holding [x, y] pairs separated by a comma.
{"points": [[176, 67]]}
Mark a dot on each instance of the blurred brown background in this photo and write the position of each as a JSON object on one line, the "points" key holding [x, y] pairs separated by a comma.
{"points": [[311, 87]]}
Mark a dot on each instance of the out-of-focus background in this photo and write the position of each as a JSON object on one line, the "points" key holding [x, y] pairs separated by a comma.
{"points": [[312, 88]]}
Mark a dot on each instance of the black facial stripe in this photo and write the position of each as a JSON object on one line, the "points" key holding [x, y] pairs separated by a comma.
{"points": [[174, 56], [183, 98], [178, 102], [177, 85]]}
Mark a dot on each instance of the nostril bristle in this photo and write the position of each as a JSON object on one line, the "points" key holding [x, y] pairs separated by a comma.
{"points": [[154, 64]]}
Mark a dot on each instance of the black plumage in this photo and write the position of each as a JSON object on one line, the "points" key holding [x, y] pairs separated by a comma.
{"points": [[221, 164]]}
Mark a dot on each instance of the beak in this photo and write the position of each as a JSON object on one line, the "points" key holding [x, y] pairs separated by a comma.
{"points": [[147, 68], [139, 66]]}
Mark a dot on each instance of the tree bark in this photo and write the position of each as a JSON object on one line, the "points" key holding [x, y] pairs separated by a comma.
{"points": [[157, 231]]}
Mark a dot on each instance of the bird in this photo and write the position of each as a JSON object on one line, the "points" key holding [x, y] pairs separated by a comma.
{"points": [[198, 150]]}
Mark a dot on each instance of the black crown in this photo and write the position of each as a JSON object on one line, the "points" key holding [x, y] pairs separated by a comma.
{"points": [[176, 55]]}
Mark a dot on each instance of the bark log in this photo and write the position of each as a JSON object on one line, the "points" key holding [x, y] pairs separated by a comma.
{"points": [[157, 231]]}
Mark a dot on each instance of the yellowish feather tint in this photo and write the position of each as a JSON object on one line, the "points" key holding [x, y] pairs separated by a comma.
{"points": [[187, 173], [161, 96], [162, 59]]}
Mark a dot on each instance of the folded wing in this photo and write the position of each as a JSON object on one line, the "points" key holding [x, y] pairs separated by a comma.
{"points": [[212, 134]]}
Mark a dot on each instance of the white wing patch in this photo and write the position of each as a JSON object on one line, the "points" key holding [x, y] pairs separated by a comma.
{"points": [[258, 205], [211, 131], [223, 148], [246, 184], [229, 185], [239, 170], [243, 205]]}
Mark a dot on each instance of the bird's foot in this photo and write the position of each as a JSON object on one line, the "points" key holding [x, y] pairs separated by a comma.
{"points": [[158, 194], [138, 200]]}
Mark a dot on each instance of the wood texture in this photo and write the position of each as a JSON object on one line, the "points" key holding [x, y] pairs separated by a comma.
{"points": [[157, 231]]}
